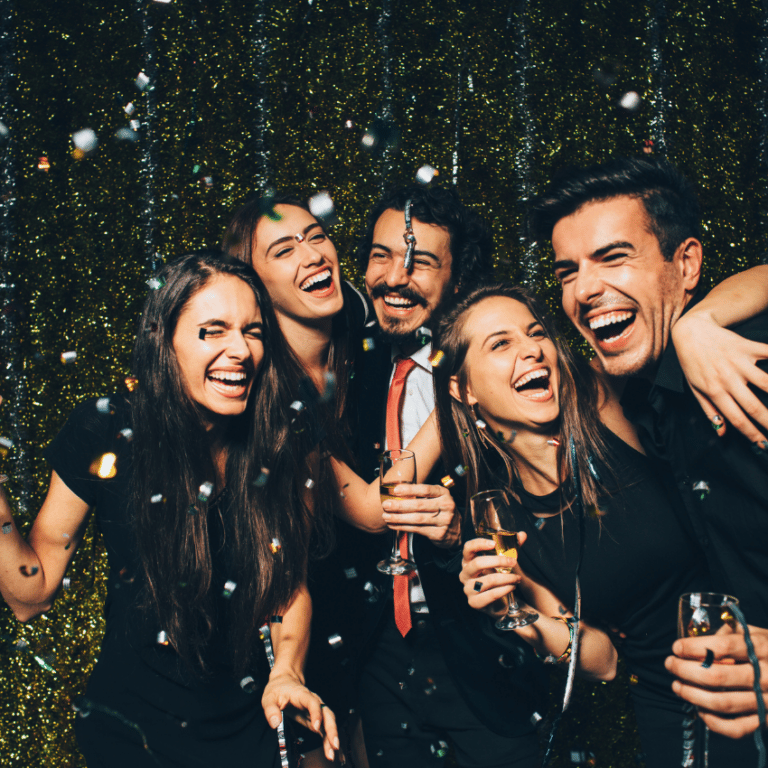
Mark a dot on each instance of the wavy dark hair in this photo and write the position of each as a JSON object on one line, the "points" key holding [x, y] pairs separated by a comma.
{"points": [[471, 243], [239, 241], [466, 444], [668, 197], [171, 456]]}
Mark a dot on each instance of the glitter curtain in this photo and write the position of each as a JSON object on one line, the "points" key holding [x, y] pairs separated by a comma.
{"points": [[244, 93]]}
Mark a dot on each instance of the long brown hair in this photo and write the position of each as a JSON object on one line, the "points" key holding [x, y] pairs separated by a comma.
{"points": [[466, 444], [171, 458]]}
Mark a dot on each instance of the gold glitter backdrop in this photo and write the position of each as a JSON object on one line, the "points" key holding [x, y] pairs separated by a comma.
{"points": [[495, 94]]}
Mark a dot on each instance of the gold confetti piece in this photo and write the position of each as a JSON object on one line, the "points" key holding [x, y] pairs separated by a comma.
{"points": [[104, 466], [131, 382]]}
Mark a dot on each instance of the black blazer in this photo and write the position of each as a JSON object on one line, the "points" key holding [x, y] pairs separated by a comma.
{"points": [[497, 673]]}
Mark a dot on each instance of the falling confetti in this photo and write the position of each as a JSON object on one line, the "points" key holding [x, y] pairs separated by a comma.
{"points": [[6, 445], [335, 641], [350, 573], [155, 283], [369, 344], [126, 434], [162, 637], [157, 498], [103, 405], [85, 142], [262, 479], [229, 588], [275, 546], [205, 491], [321, 206], [142, 81], [43, 164], [630, 101], [104, 466], [436, 358], [248, 684], [68, 357], [425, 174]]}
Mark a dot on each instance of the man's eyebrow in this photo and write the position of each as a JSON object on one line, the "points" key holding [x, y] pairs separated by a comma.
{"points": [[596, 254], [213, 322], [417, 252]]}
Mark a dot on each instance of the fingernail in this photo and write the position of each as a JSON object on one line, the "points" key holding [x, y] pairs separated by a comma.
{"points": [[317, 724], [336, 744], [387, 504], [274, 721]]}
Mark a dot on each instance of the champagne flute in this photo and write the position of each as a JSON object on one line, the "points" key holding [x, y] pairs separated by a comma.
{"points": [[699, 614], [493, 519], [398, 466]]}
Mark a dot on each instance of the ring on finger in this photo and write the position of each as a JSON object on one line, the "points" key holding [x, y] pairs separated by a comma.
{"points": [[717, 422], [478, 586]]}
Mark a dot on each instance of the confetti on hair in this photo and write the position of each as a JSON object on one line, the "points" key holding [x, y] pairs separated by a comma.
{"points": [[447, 481], [229, 588], [156, 283], [104, 466], [157, 498], [553, 441], [104, 406], [262, 479], [701, 488], [426, 173], [461, 470], [275, 546], [480, 424], [436, 358], [162, 637], [310, 484], [205, 491], [68, 357], [439, 750], [131, 382]]}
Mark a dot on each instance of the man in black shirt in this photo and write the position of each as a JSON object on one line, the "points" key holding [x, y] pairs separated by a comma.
{"points": [[628, 257]]}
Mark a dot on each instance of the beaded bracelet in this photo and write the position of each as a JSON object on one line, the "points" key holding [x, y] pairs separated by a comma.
{"points": [[566, 654]]}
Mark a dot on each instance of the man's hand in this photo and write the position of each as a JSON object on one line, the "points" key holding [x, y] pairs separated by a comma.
{"points": [[723, 692], [285, 692], [719, 365], [428, 510]]}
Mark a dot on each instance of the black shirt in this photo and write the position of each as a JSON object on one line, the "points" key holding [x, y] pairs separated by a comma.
{"points": [[722, 480]]}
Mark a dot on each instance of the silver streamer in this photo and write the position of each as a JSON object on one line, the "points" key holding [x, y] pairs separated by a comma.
{"points": [[658, 79], [285, 761], [529, 261], [10, 346], [457, 118], [260, 45], [383, 29], [149, 143], [763, 64]]}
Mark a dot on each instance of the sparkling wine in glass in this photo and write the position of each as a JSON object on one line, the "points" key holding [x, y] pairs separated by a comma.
{"points": [[396, 467], [493, 519], [699, 614]]}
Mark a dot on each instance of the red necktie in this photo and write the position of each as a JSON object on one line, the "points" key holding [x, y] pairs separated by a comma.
{"points": [[394, 442]]}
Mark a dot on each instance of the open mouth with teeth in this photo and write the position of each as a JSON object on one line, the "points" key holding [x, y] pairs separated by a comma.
{"points": [[535, 385], [320, 284], [612, 326], [399, 303], [229, 383]]}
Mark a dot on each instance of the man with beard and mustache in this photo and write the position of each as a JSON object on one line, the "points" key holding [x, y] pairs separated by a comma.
{"points": [[628, 257], [434, 671]]}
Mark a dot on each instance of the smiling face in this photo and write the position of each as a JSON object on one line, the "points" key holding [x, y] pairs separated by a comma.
{"points": [[618, 289], [511, 366], [298, 265], [405, 300], [218, 370]]}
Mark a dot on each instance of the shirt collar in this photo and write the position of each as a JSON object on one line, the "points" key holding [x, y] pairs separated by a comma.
{"points": [[420, 356]]}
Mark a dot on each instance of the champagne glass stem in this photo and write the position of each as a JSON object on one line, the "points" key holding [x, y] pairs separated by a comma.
{"points": [[395, 556]]}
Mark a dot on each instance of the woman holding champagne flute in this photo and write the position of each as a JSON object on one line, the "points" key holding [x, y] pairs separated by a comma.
{"points": [[510, 398]]}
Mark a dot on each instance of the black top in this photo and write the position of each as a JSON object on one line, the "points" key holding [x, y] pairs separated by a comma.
{"points": [[638, 558], [722, 480], [185, 717]]}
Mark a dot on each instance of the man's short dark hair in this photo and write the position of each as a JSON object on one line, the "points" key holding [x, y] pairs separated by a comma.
{"points": [[471, 242], [668, 197]]}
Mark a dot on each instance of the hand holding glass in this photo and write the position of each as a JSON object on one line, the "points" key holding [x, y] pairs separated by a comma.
{"points": [[396, 467], [493, 519]]}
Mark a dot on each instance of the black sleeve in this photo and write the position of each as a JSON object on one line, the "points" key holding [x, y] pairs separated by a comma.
{"points": [[75, 453]]}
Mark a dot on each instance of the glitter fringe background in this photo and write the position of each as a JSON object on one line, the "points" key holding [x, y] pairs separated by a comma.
{"points": [[493, 94]]}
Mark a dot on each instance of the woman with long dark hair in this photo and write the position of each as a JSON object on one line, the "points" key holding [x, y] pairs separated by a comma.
{"points": [[199, 488], [511, 397]]}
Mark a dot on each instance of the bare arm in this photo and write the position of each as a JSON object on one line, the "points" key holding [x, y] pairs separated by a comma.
{"points": [[285, 689], [485, 588], [31, 570], [429, 510], [718, 363]]}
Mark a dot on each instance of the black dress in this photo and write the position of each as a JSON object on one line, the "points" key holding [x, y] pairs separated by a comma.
{"points": [[638, 558], [142, 707]]}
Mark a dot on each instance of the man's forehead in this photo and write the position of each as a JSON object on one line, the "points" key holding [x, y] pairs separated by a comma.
{"points": [[391, 225]]}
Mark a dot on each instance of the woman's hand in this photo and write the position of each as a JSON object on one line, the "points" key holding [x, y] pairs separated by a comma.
{"points": [[428, 510], [286, 693], [719, 365], [483, 586]]}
